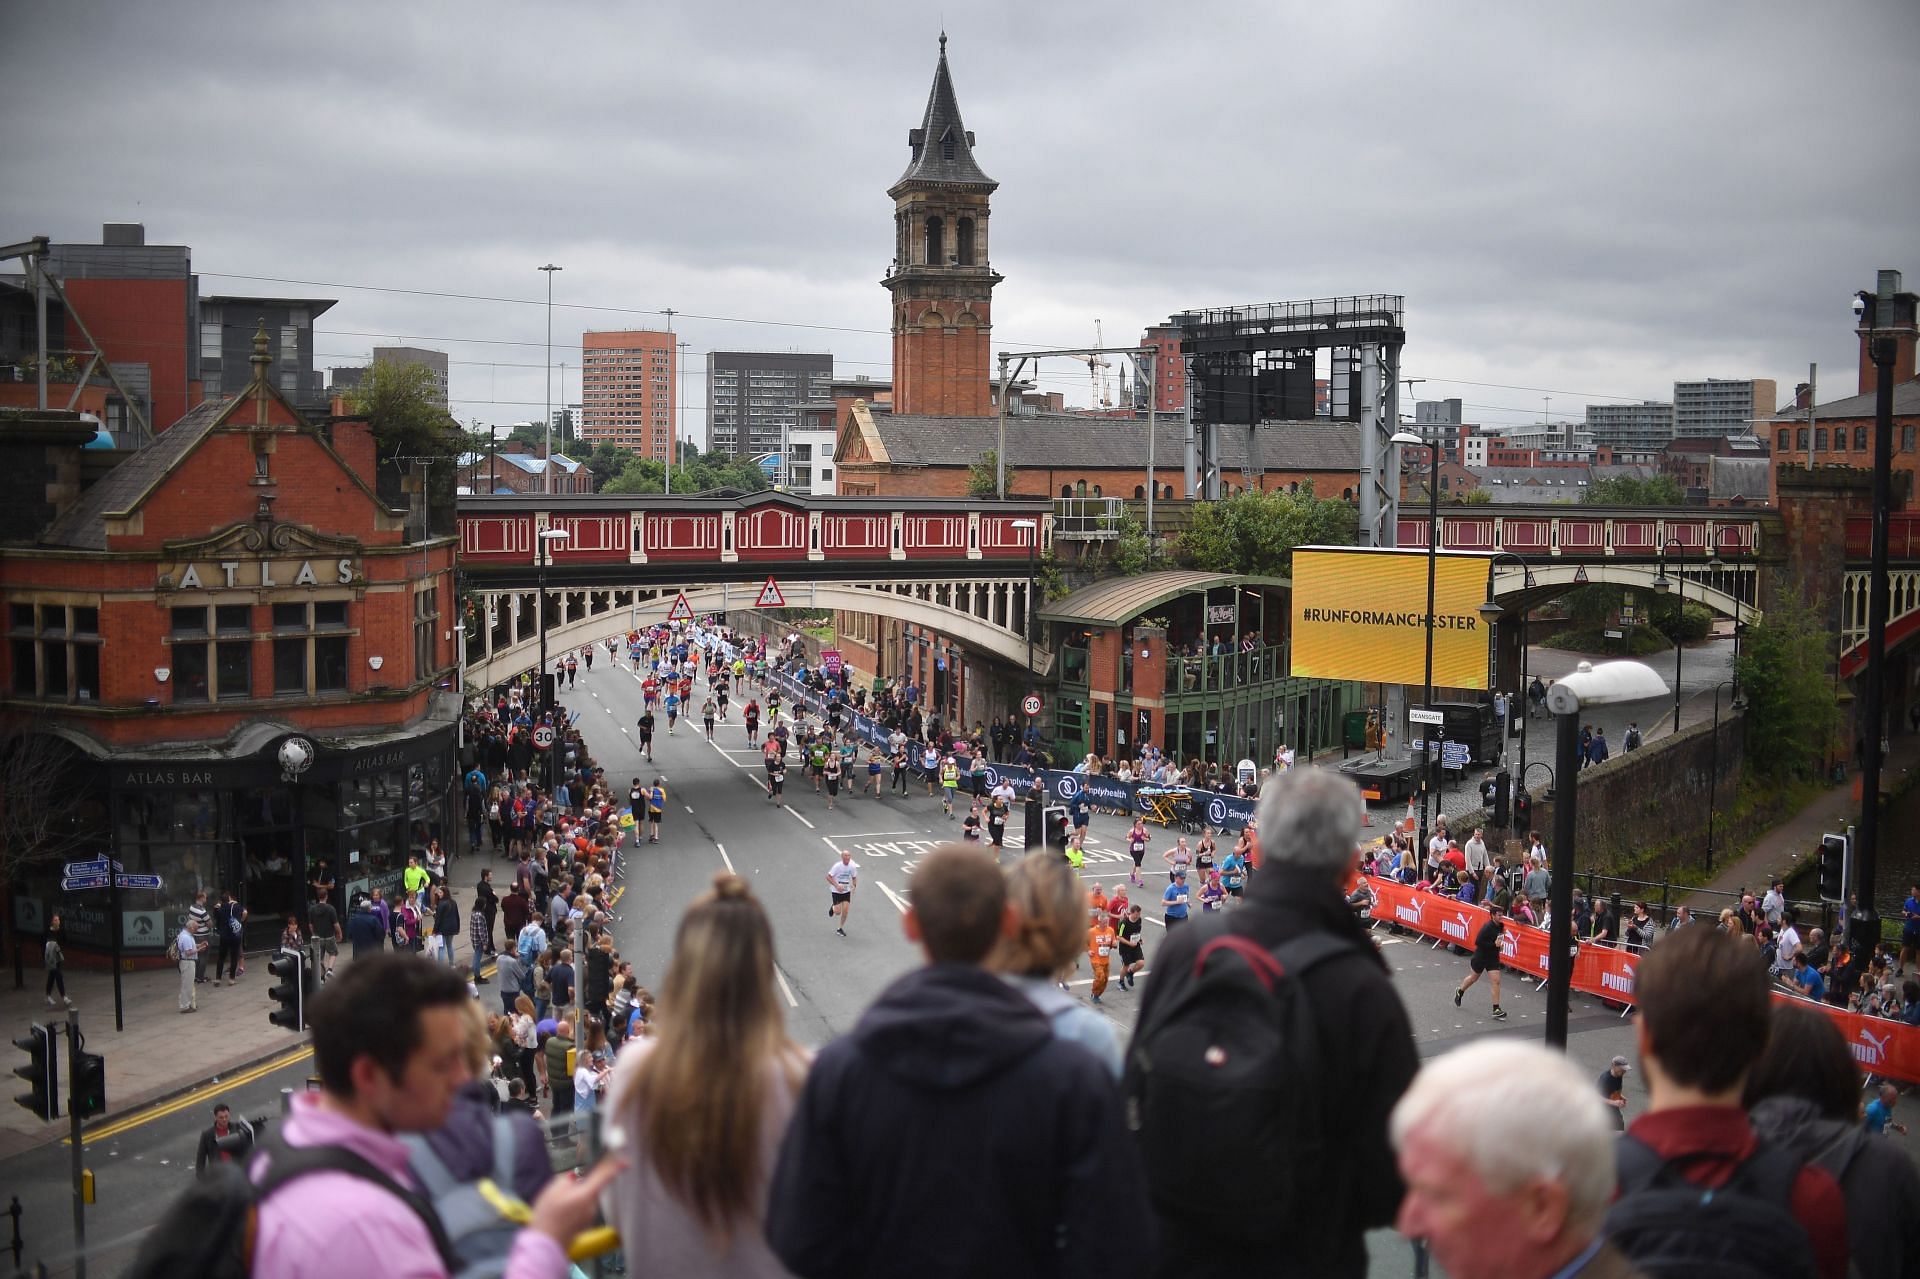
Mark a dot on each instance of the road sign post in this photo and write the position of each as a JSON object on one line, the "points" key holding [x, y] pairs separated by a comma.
{"points": [[770, 596], [1030, 705], [682, 611]]}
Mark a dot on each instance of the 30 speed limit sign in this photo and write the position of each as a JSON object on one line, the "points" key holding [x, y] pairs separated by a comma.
{"points": [[543, 736], [1030, 704]]}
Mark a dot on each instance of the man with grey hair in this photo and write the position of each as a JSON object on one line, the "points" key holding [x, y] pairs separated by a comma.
{"points": [[1308, 830], [1508, 1159]]}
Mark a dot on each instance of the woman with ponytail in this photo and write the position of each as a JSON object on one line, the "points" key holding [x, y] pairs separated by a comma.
{"points": [[699, 1106]]}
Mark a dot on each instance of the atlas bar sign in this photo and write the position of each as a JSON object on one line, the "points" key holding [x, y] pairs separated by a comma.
{"points": [[248, 574]]}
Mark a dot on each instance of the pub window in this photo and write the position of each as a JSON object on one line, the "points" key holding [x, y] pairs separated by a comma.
{"points": [[1786, 439], [310, 648], [1800, 439], [1840, 439], [1860, 439], [55, 651], [426, 621], [1820, 438]]}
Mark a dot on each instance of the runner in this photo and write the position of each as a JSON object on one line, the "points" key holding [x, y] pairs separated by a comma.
{"points": [[1129, 935], [752, 715], [1486, 959], [842, 878], [1117, 908], [930, 763], [875, 767], [1213, 893], [997, 812], [1203, 855], [1175, 900], [673, 708], [831, 772], [1178, 858], [1100, 944], [721, 691], [1233, 875], [899, 762], [949, 783], [656, 809], [817, 753], [637, 806], [776, 777], [573, 669], [970, 824], [586, 651], [646, 734], [1137, 849], [707, 709]]}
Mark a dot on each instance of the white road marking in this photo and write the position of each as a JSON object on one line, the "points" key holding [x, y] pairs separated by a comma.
{"points": [[784, 988], [1088, 981], [728, 860], [796, 816], [893, 897]]}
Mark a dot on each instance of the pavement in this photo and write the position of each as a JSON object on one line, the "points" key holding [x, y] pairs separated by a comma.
{"points": [[162, 1052]]}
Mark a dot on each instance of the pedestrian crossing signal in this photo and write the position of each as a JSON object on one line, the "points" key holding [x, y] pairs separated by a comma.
{"points": [[770, 596], [681, 611]]}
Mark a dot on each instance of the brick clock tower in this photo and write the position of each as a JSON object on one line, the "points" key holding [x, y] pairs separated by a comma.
{"points": [[941, 284]]}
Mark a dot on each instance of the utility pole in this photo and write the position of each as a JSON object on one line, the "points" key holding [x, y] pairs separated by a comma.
{"points": [[546, 469], [667, 486]]}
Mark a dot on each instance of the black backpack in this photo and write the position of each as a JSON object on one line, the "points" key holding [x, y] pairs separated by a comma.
{"points": [[1671, 1228], [1223, 1090], [210, 1230]]}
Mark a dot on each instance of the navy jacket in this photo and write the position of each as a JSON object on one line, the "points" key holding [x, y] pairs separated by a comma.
{"points": [[952, 1135]]}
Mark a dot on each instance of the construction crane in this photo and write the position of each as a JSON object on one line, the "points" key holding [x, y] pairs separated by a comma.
{"points": [[1096, 372]]}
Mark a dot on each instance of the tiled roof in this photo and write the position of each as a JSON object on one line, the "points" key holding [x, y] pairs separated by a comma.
{"points": [[1070, 441], [940, 128], [84, 524], [1906, 402], [1119, 599]]}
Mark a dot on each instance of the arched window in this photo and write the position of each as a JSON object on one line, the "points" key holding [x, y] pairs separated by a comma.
{"points": [[1166, 493], [963, 240], [1346, 495], [1096, 490], [1066, 490], [1139, 492], [936, 239], [1294, 487], [947, 144], [1079, 488]]}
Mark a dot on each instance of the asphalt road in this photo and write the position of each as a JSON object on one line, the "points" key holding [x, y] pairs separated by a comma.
{"points": [[719, 818]]}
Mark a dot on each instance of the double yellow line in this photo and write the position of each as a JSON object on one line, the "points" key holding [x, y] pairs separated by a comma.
{"points": [[195, 1096]]}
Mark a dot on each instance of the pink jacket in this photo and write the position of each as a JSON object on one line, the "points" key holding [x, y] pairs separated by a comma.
{"points": [[327, 1220]]}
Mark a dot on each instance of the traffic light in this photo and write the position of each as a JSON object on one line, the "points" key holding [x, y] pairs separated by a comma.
{"points": [[289, 969], [1833, 868], [42, 1072], [89, 1083], [1522, 810], [1502, 796]]}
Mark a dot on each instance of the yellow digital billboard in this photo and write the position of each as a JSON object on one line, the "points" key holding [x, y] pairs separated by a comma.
{"points": [[1362, 615]]}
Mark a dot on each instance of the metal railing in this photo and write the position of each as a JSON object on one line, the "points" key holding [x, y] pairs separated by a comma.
{"points": [[1088, 519]]}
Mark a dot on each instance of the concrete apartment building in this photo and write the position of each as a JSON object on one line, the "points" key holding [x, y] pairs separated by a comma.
{"points": [[1645, 427], [1721, 406], [435, 362], [227, 327], [627, 390], [754, 397]]}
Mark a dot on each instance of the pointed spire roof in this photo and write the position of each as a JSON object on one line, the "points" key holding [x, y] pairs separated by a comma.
{"points": [[942, 148]]}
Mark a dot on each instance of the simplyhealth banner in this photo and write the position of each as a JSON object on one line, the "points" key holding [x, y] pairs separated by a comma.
{"points": [[1362, 615]]}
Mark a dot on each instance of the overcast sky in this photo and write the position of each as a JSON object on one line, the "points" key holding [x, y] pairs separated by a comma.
{"points": [[1578, 201]]}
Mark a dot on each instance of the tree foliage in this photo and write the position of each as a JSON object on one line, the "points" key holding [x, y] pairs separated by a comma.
{"points": [[1785, 673], [698, 475], [1256, 532], [982, 481], [1628, 490], [47, 817], [402, 406], [1133, 552]]}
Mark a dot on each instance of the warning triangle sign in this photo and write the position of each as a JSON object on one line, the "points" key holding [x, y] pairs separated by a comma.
{"points": [[1580, 575], [770, 596], [681, 610]]}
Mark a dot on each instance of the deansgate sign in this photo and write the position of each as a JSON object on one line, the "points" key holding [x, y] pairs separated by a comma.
{"points": [[251, 574]]}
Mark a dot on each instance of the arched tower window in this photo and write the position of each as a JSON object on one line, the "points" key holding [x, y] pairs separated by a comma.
{"points": [[963, 240], [936, 242], [947, 145], [1139, 491]]}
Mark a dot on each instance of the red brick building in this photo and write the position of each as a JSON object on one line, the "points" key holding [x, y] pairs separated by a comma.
{"points": [[233, 587]]}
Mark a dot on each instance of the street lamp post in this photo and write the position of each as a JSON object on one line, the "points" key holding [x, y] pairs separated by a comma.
{"points": [[1428, 789], [1713, 768], [1662, 585], [1031, 529], [1588, 685], [546, 469], [549, 537], [1492, 611]]}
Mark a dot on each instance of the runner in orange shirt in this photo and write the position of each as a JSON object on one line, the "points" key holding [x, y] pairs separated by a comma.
{"points": [[1098, 899], [1100, 943]]}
